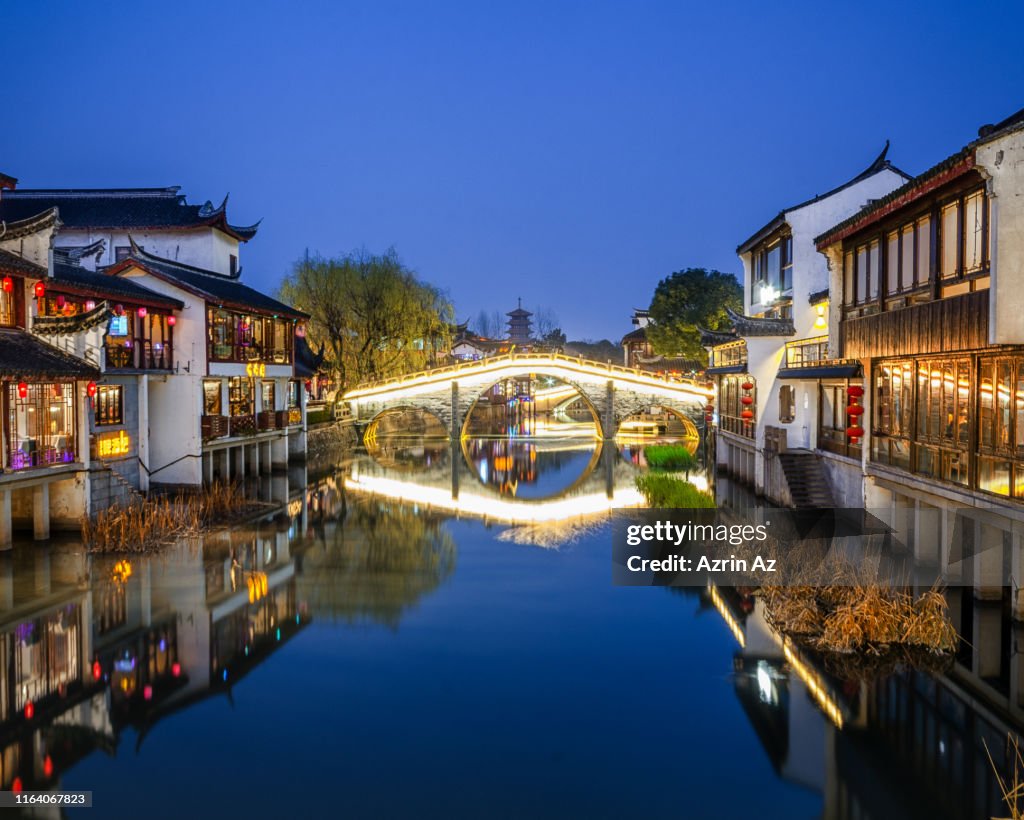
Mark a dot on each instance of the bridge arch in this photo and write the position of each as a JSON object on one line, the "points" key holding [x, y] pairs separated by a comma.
{"points": [[372, 430], [580, 395], [613, 391], [568, 490]]}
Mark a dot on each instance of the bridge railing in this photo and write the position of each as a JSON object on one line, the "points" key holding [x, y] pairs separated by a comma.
{"points": [[605, 367]]}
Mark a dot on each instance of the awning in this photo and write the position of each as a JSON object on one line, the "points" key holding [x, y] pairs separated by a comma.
{"points": [[724, 369], [843, 370]]}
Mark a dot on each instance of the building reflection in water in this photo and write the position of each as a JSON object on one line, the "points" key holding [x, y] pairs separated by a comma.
{"points": [[902, 742]]}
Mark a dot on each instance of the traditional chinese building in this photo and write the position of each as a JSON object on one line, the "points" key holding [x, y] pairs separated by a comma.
{"points": [[929, 288], [778, 425], [520, 326]]}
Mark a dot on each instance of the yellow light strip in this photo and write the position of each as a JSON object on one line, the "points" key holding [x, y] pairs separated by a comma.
{"points": [[524, 365], [723, 610], [518, 512], [814, 685]]}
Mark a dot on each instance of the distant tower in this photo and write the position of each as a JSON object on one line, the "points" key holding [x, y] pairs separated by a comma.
{"points": [[520, 329]]}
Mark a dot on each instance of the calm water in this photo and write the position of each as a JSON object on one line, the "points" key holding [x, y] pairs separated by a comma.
{"points": [[432, 631]]}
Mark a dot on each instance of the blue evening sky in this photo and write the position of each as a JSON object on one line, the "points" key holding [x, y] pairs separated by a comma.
{"points": [[572, 153]]}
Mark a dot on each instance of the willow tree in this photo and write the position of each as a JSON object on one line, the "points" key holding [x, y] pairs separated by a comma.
{"points": [[374, 316]]}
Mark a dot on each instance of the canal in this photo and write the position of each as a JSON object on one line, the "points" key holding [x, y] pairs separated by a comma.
{"points": [[431, 630]]}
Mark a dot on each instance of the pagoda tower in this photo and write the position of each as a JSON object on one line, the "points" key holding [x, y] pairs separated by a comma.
{"points": [[520, 328]]}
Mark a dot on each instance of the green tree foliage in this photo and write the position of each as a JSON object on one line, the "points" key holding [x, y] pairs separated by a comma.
{"points": [[373, 315], [686, 299]]}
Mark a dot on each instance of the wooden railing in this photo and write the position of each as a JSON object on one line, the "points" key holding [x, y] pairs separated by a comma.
{"points": [[953, 323]]}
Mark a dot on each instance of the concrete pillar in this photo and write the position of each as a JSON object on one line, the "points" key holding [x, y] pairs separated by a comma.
{"points": [[225, 463], [608, 456], [41, 512], [143, 431], [279, 453], [987, 639], [6, 525], [455, 462], [6, 583], [266, 458], [456, 431], [238, 455], [988, 563], [254, 458], [279, 488], [608, 425]]}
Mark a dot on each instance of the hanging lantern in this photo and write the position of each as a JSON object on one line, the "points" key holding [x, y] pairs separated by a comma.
{"points": [[97, 670], [40, 290], [48, 766], [142, 313], [854, 410], [22, 390], [748, 400], [61, 301], [90, 388], [747, 385], [30, 710], [747, 415], [16, 785], [855, 391], [176, 669], [171, 321], [8, 284], [854, 432], [119, 310], [90, 305]]}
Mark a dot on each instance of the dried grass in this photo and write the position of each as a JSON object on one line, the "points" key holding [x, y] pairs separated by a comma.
{"points": [[144, 524], [1012, 790]]}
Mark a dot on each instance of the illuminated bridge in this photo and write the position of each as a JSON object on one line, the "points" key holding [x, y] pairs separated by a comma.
{"points": [[613, 393]]}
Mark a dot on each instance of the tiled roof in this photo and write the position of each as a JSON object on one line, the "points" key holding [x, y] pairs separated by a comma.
{"points": [[11, 262], [23, 356], [713, 338], [638, 335], [75, 279], [33, 222], [209, 285], [754, 326], [939, 174], [818, 297], [880, 164], [124, 209]]}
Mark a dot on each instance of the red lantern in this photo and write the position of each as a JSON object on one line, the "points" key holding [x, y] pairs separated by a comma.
{"points": [[171, 321], [40, 290], [855, 391], [16, 786], [747, 415], [176, 669], [854, 431], [142, 313], [747, 400], [97, 670], [61, 300], [147, 692], [747, 385], [119, 310], [48, 766], [30, 710], [8, 284], [854, 410], [90, 305], [22, 390], [90, 388]]}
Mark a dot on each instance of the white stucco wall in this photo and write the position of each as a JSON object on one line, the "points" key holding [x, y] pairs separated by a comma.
{"points": [[1002, 162], [206, 248]]}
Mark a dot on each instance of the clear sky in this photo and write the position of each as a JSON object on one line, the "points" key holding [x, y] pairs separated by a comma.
{"points": [[571, 153]]}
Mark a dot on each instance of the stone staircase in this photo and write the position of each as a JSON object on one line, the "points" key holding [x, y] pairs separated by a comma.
{"points": [[806, 478], [110, 488]]}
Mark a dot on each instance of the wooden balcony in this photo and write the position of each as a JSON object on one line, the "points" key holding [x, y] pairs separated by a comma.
{"points": [[267, 420], [214, 426], [942, 326]]}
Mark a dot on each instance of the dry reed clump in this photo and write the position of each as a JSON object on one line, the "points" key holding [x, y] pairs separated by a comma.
{"points": [[861, 618], [144, 523]]}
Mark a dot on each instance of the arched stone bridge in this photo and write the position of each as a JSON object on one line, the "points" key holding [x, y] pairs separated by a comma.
{"points": [[613, 393]]}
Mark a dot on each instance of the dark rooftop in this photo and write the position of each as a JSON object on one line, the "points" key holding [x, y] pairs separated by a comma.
{"points": [[23, 356], [211, 286], [93, 283], [11, 262], [880, 164], [950, 167], [121, 209]]}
